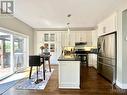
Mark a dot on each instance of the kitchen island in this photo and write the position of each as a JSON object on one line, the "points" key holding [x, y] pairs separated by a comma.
{"points": [[69, 72]]}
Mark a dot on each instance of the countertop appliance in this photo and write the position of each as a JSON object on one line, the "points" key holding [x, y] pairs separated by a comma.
{"points": [[106, 57]]}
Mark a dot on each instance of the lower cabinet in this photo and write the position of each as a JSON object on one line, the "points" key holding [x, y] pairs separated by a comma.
{"points": [[92, 60], [69, 74]]}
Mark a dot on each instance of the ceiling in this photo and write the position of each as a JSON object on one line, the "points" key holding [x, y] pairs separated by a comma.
{"points": [[53, 13]]}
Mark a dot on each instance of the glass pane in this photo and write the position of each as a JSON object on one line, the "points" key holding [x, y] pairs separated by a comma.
{"points": [[46, 37], [19, 54], [52, 37], [52, 47], [5, 52]]}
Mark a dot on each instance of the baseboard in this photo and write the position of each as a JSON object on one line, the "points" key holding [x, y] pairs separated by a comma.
{"points": [[121, 85], [69, 86]]}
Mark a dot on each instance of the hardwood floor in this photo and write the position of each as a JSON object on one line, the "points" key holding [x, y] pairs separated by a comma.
{"points": [[91, 84]]}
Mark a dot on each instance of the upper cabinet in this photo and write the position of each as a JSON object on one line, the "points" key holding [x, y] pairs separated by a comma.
{"points": [[94, 38], [76, 36], [108, 25]]}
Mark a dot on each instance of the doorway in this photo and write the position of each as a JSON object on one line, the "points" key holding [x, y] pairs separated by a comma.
{"points": [[5, 55], [13, 53], [19, 52]]}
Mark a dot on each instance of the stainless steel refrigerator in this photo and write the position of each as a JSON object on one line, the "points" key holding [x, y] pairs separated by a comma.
{"points": [[106, 58]]}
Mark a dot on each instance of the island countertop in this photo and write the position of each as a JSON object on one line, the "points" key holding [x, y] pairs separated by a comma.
{"points": [[71, 57]]}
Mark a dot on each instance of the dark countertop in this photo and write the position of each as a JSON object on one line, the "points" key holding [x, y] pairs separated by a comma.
{"points": [[71, 57]]}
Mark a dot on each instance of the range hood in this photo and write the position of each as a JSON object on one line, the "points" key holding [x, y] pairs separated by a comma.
{"points": [[80, 43]]}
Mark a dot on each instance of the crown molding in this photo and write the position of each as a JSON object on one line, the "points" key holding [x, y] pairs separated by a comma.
{"points": [[65, 29]]}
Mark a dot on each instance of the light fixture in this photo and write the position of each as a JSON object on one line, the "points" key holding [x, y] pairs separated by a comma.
{"points": [[68, 29]]}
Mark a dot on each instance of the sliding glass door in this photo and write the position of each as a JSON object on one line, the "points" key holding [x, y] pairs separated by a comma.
{"points": [[5, 55], [19, 52], [13, 55]]}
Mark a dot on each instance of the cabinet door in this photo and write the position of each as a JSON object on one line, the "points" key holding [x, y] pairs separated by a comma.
{"points": [[72, 38], [101, 29], [64, 39], [95, 61], [77, 36], [89, 38], [108, 25], [83, 35], [53, 39], [68, 39], [94, 38], [90, 60]]}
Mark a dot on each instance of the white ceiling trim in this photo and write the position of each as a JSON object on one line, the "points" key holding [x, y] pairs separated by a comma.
{"points": [[65, 29]]}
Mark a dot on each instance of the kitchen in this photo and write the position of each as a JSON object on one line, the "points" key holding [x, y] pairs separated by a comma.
{"points": [[83, 39], [87, 40], [87, 47]]}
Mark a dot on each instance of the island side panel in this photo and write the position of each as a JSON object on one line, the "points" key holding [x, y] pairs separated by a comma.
{"points": [[69, 74]]}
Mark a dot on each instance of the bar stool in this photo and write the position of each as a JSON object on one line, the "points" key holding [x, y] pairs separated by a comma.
{"points": [[36, 60]]}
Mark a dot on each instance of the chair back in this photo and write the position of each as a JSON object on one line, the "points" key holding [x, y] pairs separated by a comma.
{"points": [[34, 60]]}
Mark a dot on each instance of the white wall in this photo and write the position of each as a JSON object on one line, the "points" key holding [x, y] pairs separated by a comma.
{"points": [[16, 25], [121, 49]]}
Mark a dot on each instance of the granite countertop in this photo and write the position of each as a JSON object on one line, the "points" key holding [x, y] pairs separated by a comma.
{"points": [[71, 57]]}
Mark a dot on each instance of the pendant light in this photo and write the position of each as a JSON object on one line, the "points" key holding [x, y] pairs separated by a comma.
{"points": [[68, 29]]}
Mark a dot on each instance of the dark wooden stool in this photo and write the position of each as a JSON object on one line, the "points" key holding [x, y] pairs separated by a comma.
{"points": [[36, 60]]}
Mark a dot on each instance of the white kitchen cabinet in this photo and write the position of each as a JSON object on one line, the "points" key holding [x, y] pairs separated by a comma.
{"points": [[108, 25], [76, 36], [68, 39], [72, 38], [94, 38], [84, 36], [64, 39], [92, 60], [89, 38], [53, 39], [95, 61], [69, 74]]}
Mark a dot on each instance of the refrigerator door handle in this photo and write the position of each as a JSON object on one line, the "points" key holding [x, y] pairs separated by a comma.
{"points": [[104, 46]]}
